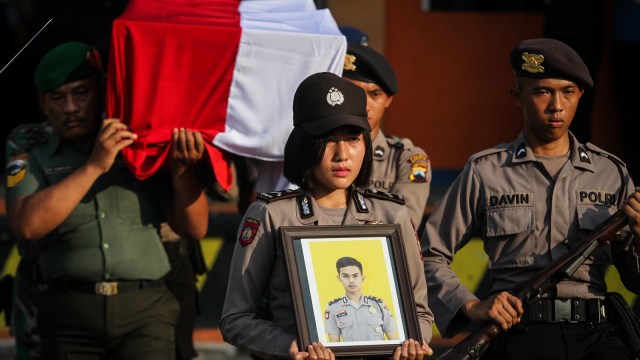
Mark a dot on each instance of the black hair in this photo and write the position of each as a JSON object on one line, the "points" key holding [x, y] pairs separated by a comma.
{"points": [[348, 261], [303, 151]]}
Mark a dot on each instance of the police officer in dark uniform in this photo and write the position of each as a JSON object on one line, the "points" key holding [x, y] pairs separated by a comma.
{"points": [[529, 201], [398, 165]]}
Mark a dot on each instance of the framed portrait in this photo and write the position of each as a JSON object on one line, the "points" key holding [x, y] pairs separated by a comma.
{"points": [[350, 288]]}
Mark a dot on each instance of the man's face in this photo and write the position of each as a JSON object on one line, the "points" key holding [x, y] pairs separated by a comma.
{"points": [[548, 106], [351, 278], [74, 110], [377, 102]]}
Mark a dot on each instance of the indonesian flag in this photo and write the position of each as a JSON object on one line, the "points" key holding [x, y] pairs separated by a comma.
{"points": [[226, 68]]}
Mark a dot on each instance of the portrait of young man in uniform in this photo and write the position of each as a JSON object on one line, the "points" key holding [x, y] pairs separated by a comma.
{"points": [[355, 316]]}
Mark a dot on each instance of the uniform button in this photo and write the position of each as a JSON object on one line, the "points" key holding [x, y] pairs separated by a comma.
{"points": [[103, 215], [105, 246]]}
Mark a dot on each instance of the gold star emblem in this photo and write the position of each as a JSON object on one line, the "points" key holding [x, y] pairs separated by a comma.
{"points": [[532, 63]]}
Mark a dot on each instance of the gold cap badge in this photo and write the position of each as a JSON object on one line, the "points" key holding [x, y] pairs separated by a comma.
{"points": [[532, 63], [349, 62]]}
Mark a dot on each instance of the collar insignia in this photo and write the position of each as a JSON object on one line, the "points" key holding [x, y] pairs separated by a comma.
{"points": [[584, 157], [334, 97], [304, 205], [378, 151], [521, 152], [361, 205], [532, 63], [349, 62]]}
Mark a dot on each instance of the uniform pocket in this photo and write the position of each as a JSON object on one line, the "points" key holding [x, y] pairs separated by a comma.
{"points": [[504, 244], [509, 221], [590, 216]]}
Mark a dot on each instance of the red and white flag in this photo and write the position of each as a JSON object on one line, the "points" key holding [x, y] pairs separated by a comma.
{"points": [[226, 68]]}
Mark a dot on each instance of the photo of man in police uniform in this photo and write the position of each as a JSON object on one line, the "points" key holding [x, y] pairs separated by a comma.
{"points": [[355, 316]]}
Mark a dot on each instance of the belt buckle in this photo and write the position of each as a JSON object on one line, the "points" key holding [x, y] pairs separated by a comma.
{"points": [[107, 288], [562, 310]]}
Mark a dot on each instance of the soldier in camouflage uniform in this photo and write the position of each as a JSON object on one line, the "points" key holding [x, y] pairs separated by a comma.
{"points": [[27, 281], [357, 317]]}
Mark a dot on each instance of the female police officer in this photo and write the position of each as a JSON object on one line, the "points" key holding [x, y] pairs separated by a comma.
{"points": [[328, 155]]}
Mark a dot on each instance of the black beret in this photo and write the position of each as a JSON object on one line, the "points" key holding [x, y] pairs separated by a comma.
{"points": [[362, 63], [325, 101], [549, 58]]}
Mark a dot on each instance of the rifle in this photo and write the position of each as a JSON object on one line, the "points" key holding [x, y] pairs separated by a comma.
{"points": [[472, 346]]}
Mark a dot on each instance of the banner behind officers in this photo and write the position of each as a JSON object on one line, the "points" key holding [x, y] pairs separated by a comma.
{"points": [[328, 155], [96, 226], [528, 201], [398, 165]]}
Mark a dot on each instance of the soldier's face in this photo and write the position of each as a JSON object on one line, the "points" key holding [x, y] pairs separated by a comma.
{"points": [[74, 109], [351, 279], [548, 106], [340, 163], [377, 102]]}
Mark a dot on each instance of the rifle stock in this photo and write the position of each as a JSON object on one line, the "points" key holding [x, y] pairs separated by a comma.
{"points": [[474, 345]]}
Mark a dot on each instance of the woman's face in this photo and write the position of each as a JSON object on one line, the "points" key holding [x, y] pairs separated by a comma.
{"points": [[341, 161]]}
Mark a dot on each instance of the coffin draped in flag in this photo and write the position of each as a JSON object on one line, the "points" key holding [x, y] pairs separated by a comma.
{"points": [[226, 68]]}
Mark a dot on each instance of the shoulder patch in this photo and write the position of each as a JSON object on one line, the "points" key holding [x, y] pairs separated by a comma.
{"points": [[604, 153], [498, 149], [419, 167], [372, 193], [16, 170], [249, 231], [277, 195]]}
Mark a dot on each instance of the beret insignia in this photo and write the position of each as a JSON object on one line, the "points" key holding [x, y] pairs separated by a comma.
{"points": [[249, 230], [349, 62], [532, 63]]}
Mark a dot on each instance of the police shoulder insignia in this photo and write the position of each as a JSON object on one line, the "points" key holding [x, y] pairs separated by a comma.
{"points": [[373, 193], [335, 300], [249, 231], [532, 63], [498, 149], [395, 141], [604, 153], [419, 167], [277, 195], [376, 299], [16, 170]]}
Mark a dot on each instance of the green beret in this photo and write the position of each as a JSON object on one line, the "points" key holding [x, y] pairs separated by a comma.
{"points": [[68, 62], [549, 58], [362, 63]]}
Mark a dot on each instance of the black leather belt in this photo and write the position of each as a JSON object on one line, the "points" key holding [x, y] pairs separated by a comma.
{"points": [[567, 310], [107, 288]]}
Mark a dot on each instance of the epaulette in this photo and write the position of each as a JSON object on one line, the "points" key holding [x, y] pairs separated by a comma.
{"points": [[373, 193], [394, 141], [335, 300], [604, 153], [25, 137], [376, 299], [277, 195], [487, 152]]}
